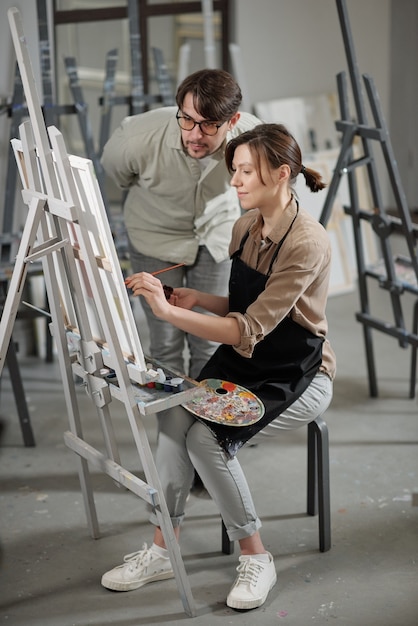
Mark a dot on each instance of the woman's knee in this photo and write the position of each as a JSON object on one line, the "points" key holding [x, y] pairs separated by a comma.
{"points": [[175, 422], [314, 401], [310, 405], [202, 445]]}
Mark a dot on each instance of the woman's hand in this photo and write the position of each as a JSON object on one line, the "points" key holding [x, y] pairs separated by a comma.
{"points": [[184, 297], [149, 286], [178, 309]]}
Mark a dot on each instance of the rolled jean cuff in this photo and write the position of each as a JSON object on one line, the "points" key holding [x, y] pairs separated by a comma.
{"points": [[176, 521], [235, 534]]}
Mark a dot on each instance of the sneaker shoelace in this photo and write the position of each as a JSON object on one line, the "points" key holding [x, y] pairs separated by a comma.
{"points": [[140, 558], [248, 571]]}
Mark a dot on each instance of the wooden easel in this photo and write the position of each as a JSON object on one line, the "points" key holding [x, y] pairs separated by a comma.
{"points": [[92, 321]]}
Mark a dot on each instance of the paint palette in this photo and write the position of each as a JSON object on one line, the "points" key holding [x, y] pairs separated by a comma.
{"points": [[225, 403]]}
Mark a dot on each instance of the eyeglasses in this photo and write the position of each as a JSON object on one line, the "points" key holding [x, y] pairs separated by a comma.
{"points": [[206, 127]]}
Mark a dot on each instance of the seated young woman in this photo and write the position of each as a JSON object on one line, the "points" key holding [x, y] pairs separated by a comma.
{"points": [[272, 331]]}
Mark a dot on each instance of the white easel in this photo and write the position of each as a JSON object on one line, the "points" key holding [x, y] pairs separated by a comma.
{"points": [[92, 321]]}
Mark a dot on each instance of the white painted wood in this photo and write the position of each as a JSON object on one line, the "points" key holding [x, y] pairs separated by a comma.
{"points": [[92, 321]]}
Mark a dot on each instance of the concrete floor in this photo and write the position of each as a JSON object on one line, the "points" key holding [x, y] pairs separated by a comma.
{"points": [[51, 568]]}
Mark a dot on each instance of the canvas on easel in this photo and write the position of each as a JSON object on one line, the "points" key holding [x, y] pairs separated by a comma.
{"points": [[91, 317], [95, 223]]}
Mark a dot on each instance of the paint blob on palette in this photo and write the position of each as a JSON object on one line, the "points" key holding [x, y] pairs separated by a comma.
{"points": [[225, 403]]}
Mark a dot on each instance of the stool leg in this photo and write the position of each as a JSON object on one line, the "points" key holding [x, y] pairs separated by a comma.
{"points": [[312, 500], [324, 501]]}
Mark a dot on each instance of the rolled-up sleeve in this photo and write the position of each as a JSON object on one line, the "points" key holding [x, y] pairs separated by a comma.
{"points": [[251, 334]]}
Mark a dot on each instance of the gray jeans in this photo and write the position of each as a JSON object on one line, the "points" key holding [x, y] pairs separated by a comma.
{"points": [[167, 342], [185, 444]]}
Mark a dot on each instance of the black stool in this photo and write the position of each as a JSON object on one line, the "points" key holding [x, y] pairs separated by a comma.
{"points": [[318, 491]]}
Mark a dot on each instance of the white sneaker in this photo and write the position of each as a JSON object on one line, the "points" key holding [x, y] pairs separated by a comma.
{"points": [[253, 583], [138, 569]]}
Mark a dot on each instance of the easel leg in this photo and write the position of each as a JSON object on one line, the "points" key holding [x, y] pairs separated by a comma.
{"points": [[19, 395], [413, 374], [161, 510], [368, 342], [87, 491]]}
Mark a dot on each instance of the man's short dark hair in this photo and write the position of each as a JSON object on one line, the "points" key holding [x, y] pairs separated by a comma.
{"points": [[216, 94]]}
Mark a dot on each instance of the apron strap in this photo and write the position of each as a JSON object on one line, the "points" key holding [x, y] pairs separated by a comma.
{"points": [[237, 252], [279, 245]]}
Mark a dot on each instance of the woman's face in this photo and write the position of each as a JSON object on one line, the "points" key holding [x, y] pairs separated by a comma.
{"points": [[252, 192]]}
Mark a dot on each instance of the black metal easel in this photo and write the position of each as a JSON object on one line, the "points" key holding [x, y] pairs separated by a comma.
{"points": [[138, 101], [395, 274], [8, 246]]}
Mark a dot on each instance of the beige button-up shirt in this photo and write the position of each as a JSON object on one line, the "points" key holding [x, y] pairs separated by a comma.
{"points": [[173, 205]]}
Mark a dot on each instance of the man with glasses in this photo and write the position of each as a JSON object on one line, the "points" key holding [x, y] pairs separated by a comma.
{"points": [[180, 207]]}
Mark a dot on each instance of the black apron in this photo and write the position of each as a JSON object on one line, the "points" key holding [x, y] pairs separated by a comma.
{"points": [[281, 367]]}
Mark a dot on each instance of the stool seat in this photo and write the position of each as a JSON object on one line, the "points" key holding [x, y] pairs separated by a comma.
{"points": [[318, 485]]}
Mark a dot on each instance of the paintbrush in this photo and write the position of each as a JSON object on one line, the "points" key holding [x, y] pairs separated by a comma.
{"points": [[167, 289], [167, 269]]}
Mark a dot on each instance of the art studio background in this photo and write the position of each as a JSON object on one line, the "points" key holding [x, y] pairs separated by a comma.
{"points": [[286, 55]]}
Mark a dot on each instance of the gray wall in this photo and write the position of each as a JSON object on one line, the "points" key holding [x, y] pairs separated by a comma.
{"points": [[295, 47], [287, 48], [404, 94]]}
